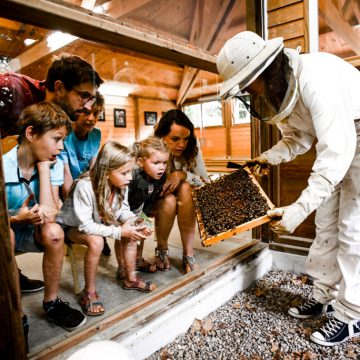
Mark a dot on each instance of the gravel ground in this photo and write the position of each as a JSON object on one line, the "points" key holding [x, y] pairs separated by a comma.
{"points": [[254, 325]]}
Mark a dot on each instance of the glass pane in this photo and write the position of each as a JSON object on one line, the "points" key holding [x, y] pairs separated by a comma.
{"points": [[193, 112], [240, 114], [339, 27], [212, 113]]}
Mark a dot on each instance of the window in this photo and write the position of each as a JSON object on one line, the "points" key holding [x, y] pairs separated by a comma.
{"points": [[205, 114], [240, 115]]}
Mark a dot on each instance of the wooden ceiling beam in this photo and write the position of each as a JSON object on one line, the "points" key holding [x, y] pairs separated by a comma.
{"points": [[329, 13], [120, 8], [188, 72], [347, 9], [9, 24], [206, 42], [42, 49], [85, 24]]}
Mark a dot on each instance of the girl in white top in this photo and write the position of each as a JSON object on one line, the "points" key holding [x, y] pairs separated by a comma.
{"points": [[97, 206], [187, 169]]}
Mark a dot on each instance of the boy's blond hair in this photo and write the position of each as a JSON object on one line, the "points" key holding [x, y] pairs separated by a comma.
{"points": [[43, 117]]}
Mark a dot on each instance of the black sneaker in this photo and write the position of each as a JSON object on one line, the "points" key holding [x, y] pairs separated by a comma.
{"points": [[309, 309], [335, 332], [25, 325], [63, 315], [106, 249], [29, 285]]}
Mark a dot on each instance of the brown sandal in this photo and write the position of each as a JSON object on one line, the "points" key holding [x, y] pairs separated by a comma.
{"points": [[145, 266], [135, 285], [190, 263], [162, 258], [89, 300]]}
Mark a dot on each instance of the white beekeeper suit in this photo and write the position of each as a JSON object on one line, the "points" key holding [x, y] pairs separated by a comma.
{"points": [[322, 103]]}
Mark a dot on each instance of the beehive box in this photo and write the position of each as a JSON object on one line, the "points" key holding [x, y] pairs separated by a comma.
{"points": [[231, 204]]}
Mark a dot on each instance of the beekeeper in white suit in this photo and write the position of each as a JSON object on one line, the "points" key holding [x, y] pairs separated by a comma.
{"points": [[310, 97]]}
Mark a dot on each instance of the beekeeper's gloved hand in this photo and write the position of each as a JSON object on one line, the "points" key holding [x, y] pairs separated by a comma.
{"points": [[258, 166], [286, 219]]}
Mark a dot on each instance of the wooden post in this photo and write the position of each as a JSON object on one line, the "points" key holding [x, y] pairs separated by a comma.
{"points": [[12, 342]]}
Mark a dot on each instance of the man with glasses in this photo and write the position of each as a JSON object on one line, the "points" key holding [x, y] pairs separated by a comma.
{"points": [[310, 97], [71, 83]]}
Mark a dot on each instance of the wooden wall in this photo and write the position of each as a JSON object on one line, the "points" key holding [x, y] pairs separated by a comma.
{"points": [[287, 19], [241, 141], [135, 124], [213, 141]]}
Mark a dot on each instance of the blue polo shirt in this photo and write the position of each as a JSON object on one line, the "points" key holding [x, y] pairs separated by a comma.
{"points": [[78, 153], [16, 190]]}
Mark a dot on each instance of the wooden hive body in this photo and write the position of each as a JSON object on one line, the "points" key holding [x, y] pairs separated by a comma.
{"points": [[229, 205]]}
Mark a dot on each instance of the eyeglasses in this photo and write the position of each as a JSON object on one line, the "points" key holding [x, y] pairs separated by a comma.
{"points": [[85, 96]]}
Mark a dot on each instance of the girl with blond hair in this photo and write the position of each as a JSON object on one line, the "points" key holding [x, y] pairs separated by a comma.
{"points": [[97, 207]]}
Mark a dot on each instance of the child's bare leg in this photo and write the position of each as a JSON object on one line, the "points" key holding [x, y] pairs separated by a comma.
{"points": [[94, 246], [51, 236], [164, 221], [186, 221], [142, 264], [131, 281]]}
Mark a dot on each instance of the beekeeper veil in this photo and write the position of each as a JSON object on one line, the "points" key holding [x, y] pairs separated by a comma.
{"points": [[244, 58]]}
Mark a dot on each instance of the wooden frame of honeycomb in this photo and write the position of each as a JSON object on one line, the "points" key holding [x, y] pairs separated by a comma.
{"points": [[209, 239]]}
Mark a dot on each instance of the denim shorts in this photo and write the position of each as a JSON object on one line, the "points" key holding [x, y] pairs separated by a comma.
{"points": [[25, 239]]}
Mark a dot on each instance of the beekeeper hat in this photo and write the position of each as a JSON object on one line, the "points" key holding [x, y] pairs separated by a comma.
{"points": [[244, 57]]}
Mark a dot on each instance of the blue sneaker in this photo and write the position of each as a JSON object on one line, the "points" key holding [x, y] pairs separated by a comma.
{"points": [[309, 309], [335, 332]]}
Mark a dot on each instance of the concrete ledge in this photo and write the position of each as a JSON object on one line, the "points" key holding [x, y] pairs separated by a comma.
{"points": [[159, 323], [288, 262]]}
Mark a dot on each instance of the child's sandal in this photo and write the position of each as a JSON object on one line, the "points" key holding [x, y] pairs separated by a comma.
{"points": [[136, 285], [89, 302], [145, 266], [190, 263], [162, 260]]}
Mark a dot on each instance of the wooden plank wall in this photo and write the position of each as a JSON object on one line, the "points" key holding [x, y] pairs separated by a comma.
{"points": [[241, 141], [135, 124], [288, 19], [213, 141]]}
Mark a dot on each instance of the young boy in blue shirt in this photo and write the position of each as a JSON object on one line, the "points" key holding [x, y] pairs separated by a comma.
{"points": [[32, 179], [81, 147]]}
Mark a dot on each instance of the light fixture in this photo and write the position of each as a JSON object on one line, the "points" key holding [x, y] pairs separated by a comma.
{"points": [[58, 39], [116, 88], [29, 41]]}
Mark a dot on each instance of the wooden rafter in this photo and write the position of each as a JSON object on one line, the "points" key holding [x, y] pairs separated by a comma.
{"points": [[80, 22], [120, 8], [205, 41], [332, 17]]}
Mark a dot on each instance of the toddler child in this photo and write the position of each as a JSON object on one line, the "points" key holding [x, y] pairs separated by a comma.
{"points": [[152, 155]]}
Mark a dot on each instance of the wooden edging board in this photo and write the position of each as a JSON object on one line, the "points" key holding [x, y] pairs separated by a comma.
{"points": [[78, 337], [208, 241]]}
